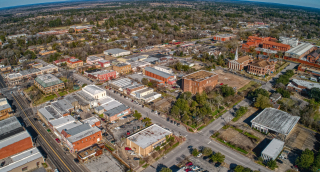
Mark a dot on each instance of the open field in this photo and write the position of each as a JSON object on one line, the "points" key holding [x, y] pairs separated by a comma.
{"points": [[302, 138], [231, 80]]}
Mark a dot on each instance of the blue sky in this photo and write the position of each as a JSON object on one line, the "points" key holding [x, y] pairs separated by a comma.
{"points": [[306, 3]]}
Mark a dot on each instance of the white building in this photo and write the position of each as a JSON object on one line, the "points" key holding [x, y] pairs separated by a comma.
{"points": [[116, 52], [293, 42], [95, 91], [164, 69], [273, 149]]}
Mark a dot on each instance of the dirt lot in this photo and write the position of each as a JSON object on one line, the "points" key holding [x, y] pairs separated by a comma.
{"points": [[231, 80], [302, 138]]}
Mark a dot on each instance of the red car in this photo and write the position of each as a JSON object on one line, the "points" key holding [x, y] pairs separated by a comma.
{"points": [[109, 88], [188, 169], [102, 119], [221, 84], [189, 164], [127, 148], [57, 140]]}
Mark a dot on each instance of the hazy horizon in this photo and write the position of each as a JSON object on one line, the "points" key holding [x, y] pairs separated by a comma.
{"points": [[305, 3]]}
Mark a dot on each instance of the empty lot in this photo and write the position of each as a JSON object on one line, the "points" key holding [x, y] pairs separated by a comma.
{"points": [[231, 80]]}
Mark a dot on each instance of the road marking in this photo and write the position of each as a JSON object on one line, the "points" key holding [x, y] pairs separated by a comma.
{"points": [[209, 142], [186, 136]]}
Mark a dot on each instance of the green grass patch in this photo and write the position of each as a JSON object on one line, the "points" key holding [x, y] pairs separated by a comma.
{"points": [[251, 136], [101, 115], [172, 147], [200, 128], [44, 165], [145, 165], [141, 162], [215, 135], [225, 127], [45, 99], [251, 83], [64, 79], [232, 146], [109, 147], [239, 130], [62, 93], [190, 129]]}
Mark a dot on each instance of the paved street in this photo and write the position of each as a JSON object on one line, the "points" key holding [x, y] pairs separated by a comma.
{"points": [[82, 79], [194, 139]]}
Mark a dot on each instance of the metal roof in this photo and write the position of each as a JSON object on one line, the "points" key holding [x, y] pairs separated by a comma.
{"points": [[15, 137], [8, 125], [93, 89], [158, 72], [122, 82], [308, 85], [14, 75], [82, 131], [111, 105], [49, 113], [50, 66], [48, 80], [115, 51], [85, 96], [22, 158], [300, 49], [116, 110], [94, 58], [69, 126], [143, 90], [92, 120], [276, 120], [29, 71], [149, 136], [4, 104], [140, 77], [105, 100], [78, 129], [273, 149], [151, 59], [62, 106], [62, 121]]}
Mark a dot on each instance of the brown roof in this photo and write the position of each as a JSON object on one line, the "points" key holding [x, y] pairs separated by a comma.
{"points": [[277, 44], [261, 63], [243, 59], [199, 75]]}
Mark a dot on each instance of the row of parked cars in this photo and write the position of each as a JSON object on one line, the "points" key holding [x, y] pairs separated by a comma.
{"points": [[173, 122]]}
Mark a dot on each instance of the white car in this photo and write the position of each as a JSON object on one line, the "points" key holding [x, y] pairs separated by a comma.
{"points": [[199, 155], [132, 153], [117, 128], [121, 118], [113, 122]]}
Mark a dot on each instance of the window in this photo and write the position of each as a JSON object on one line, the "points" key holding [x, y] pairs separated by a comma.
{"points": [[24, 169]]}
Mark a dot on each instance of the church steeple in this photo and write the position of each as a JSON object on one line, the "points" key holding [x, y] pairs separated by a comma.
{"points": [[236, 56]]}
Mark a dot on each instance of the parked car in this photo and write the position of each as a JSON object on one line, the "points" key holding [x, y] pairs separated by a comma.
{"points": [[199, 155], [217, 164], [58, 141], [117, 128], [178, 124], [189, 164], [127, 148]]}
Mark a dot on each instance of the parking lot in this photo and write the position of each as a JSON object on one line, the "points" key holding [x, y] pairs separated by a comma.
{"points": [[104, 162], [206, 166]]}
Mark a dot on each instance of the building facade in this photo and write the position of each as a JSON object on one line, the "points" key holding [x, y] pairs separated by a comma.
{"points": [[122, 68], [224, 37], [93, 59], [5, 109], [104, 75], [48, 83], [275, 46], [197, 82], [300, 51], [159, 75], [239, 62], [116, 52], [261, 68], [74, 63]]}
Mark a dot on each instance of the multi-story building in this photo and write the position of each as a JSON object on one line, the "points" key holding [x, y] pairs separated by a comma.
{"points": [[49, 69], [48, 83], [13, 138], [74, 63], [37, 65], [93, 59], [145, 91], [275, 46], [164, 69], [5, 109], [136, 65], [300, 51], [197, 82], [81, 137], [122, 68], [95, 91], [261, 68], [104, 63], [116, 52], [224, 37], [59, 62], [103, 75], [163, 76], [14, 79], [313, 56], [146, 140]]}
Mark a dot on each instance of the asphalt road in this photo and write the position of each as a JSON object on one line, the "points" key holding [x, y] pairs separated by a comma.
{"points": [[60, 159], [82, 79], [197, 140]]}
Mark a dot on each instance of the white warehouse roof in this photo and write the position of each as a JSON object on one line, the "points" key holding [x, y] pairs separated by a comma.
{"points": [[273, 149]]}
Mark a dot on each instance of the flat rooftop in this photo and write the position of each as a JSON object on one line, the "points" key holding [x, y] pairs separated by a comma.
{"points": [[158, 72], [62, 106], [116, 110], [93, 89], [48, 80], [115, 51], [149, 136], [139, 77], [49, 113], [274, 148], [122, 82], [50, 66], [308, 85], [200, 75], [82, 133], [94, 58], [10, 127], [276, 120], [4, 104], [225, 35]]}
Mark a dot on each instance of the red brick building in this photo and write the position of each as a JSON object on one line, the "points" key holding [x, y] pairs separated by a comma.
{"points": [[160, 75], [197, 82], [239, 64], [275, 46], [103, 75], [314, 56], [81, 137], [13, 138], [261, 68], [254, 41], [117, 112]]}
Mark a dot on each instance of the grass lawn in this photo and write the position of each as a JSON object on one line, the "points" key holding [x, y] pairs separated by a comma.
{"points": [[64, 79], [28, 90], [247, 86], [45, 99]]}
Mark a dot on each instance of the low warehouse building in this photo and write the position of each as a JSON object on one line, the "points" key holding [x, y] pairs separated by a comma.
{"points": [[274, 120], [146, 140], [300, 51], [273, 149], [163, 76], [116, 52], [117, 112]]}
